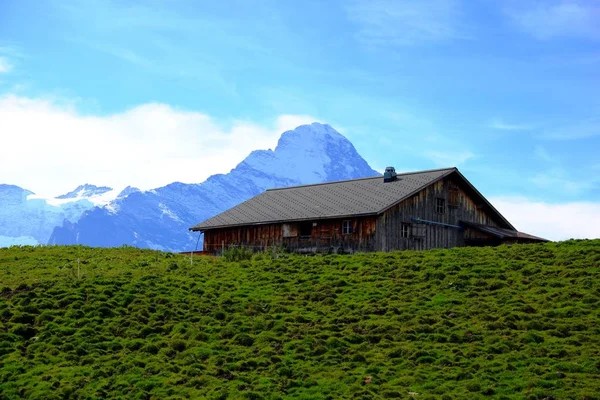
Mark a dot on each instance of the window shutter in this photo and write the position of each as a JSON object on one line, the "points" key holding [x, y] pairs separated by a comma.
{"points": [[418, 230]]}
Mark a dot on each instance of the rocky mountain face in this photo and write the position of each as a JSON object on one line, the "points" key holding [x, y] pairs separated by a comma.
{"points": [[27, 219], [160, 218], [85, 191]]}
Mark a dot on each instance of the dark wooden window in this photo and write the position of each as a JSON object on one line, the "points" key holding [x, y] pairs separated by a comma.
{"points": [[440, 205], [405, 230], [346, 227], [306, 229]]}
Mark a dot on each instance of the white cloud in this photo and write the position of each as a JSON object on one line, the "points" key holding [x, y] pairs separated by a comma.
{"points": [[500, 125], [50, 148], [542, 154], [5, 66], [549, 19], [556, 178], [576, 220], [405, 22]]}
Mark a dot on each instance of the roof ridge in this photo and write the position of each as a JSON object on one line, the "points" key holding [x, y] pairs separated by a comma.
{"points": [[361, 179], [322, 183], [334, 198]]}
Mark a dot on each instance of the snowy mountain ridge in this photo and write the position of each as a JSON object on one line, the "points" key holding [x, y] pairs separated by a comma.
{"points": [[29, 219], [85, 191]]}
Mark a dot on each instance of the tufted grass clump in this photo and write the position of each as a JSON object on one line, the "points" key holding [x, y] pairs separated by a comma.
{"points": [[511, 322]]}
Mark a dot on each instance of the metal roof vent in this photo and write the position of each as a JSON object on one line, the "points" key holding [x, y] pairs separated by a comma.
{"points": [[389, 175]]}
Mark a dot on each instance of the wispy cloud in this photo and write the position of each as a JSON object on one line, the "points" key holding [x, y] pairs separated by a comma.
{"points": [[163, 39], [5, 66], [405, 22], [586, 128], [554, 177], [163, 65], [557, 179], [110, 16], [153, 25], [449, 159], [412, 129], [542, 154], [564, 18], [8, 54], [501, 125]]}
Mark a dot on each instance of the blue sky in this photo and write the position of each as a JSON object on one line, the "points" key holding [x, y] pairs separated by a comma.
{"points": [[507, 91]]}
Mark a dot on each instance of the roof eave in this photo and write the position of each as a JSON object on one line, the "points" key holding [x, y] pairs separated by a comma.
{"points": [[282, 221], [484, 229], [486, 201], [493, 231]]}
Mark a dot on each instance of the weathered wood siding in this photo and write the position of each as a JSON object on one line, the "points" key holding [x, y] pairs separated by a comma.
{"points": [[325, 236], [259, 237], [459, 205]]}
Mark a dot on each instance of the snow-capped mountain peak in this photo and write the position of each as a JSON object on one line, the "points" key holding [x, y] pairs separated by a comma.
{"points": [[26, 218], [85, 194], [310, 153], [312, 134], [13, 191], [127, 191], [85, 191]]}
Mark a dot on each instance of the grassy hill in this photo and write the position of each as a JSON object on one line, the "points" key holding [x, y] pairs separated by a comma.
{"points": [[518, 322]]}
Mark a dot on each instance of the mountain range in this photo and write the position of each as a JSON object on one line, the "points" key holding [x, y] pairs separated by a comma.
{"points": [[160, 218], [27, 219]]}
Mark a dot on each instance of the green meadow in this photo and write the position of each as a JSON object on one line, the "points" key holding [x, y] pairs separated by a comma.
{"points": [[511, 322]]}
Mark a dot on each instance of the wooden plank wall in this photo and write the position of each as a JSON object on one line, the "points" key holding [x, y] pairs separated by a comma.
{"points": [[459, 206], [325, 236], [258, 237]]}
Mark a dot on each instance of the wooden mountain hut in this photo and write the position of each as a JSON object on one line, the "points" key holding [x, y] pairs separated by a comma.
{"points": [[416, 210]]}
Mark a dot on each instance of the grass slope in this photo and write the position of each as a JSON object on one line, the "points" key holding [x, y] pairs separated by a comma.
{"points": [[518, 322]]}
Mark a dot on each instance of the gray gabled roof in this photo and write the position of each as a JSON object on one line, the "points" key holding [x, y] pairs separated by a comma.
{"points": [[367, 196]]}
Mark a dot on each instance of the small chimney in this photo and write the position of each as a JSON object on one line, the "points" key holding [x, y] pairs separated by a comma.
{"points": [[389, 175]]}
